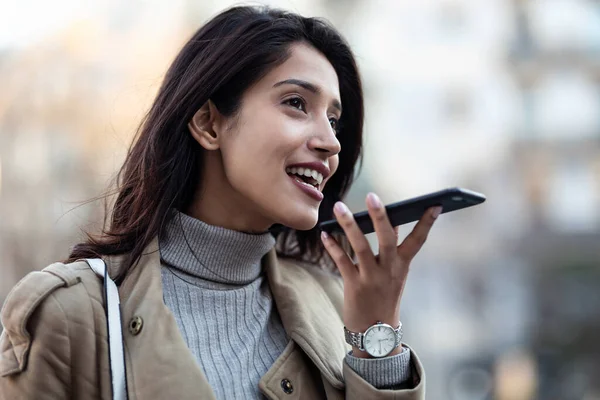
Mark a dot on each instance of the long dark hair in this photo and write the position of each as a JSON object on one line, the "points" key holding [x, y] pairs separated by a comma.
{"points": [[221, 60]]}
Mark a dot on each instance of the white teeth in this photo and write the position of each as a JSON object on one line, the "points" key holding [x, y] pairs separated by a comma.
{"points": [[316, 175]]}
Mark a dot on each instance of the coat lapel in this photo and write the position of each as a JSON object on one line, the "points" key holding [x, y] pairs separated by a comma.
{"points": [[158, 360], [308, 315]]}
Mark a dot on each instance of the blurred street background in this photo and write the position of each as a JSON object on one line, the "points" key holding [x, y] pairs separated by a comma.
{"points": [[498, 96]]}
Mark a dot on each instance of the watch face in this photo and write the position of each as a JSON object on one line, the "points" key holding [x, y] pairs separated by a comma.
{"points": [[379, 340]]}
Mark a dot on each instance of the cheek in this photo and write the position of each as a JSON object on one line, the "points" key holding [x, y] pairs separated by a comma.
{"points": [[334, 163], [268, 134], [254, 159]]}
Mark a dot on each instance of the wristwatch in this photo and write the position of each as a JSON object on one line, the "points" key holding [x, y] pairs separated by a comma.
{"points": [[378, 340]]}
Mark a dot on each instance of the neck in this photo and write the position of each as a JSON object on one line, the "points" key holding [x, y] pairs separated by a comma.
{"points": [[217, 203]]}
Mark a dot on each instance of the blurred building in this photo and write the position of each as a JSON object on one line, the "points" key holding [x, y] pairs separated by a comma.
{"points": [[556, 62], [70, 102]]}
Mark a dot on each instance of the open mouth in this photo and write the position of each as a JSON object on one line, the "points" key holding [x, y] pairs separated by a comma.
{"points": [[306, 175]]}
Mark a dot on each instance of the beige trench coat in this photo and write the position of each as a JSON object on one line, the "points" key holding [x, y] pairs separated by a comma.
{"points": [[54, 343]]}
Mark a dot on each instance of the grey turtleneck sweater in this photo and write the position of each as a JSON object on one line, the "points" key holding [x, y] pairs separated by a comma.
{"points": [[214, 285]]}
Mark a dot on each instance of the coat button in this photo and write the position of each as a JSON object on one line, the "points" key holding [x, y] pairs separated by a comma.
{"points": [[287, 387], [135, 325]]}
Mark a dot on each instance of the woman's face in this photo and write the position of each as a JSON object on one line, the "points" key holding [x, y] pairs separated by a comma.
{"points": [[286, 127]]}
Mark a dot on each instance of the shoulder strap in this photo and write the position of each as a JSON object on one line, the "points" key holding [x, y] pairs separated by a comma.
{"points": [[115, 332]]}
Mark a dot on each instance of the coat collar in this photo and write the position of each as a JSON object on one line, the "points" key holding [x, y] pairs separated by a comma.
{"points": [[308, 314], [306, 310]]}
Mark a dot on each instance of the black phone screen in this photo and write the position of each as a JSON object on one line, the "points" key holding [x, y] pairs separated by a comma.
{"points": [[406, 211]]}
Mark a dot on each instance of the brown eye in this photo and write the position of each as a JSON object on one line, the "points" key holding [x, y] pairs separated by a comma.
{"points": [[334, 125], [297, 103]]}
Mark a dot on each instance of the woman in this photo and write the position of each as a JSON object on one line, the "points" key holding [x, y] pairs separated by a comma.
{"points": [[253, 138]]}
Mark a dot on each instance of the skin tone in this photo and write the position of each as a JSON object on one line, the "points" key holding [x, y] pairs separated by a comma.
{"points": [[290, 117], [279, 124], [373, 287]]}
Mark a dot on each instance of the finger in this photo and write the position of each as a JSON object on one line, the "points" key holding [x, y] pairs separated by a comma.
{"points": [[409, 248], [383, 228], [339, 256], [357, 239]]}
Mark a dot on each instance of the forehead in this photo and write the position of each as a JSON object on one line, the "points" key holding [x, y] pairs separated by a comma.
{"points": [[307, 64]]}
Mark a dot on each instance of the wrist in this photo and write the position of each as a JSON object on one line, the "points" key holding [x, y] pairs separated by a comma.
{"points": [[356, 352], [379, 340], [363, 323]]}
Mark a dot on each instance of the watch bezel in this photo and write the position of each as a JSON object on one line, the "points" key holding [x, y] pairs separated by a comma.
{"points": [[372, 327]]}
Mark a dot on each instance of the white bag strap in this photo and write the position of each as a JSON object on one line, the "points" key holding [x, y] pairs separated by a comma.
{"points": [[115, 332]]}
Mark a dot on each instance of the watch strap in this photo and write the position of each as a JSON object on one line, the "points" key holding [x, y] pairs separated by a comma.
{"points": [[355, 339]]}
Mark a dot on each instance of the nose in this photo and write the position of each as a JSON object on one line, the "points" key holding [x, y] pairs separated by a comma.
{"points": [[325, 141]]}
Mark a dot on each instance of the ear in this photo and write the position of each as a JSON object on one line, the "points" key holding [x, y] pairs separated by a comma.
{"points": [[206, 126]]}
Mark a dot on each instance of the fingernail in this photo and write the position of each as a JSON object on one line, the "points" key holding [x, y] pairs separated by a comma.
{"points": [[436, 212], [324, 236], [373, 200], [340, 208]]}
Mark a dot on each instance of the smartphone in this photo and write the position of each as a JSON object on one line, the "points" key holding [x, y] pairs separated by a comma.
{"points": [[412, 210]]}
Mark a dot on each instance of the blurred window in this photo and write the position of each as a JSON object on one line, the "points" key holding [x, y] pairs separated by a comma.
{"points": [[572, 204], [566, 24], [566, 104]]}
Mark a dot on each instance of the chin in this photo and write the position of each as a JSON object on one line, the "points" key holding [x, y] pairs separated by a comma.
{"points": [[302, 222]]}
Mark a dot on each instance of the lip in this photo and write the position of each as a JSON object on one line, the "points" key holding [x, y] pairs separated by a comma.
{"points": [[308, 189], [321, 168]]}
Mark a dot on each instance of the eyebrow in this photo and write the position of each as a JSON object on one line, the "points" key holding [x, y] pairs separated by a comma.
{"points": [[308, 86]]}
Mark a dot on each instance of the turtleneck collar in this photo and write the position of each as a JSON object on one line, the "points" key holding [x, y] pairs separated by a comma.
{"points": [[213, 253]]}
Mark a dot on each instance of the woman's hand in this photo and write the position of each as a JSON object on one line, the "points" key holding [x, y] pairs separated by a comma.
{"points": [[373, 288]]}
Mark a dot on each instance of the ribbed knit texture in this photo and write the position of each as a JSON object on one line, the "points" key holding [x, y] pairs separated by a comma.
{"points": [[383, 373], [214, 284]]}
